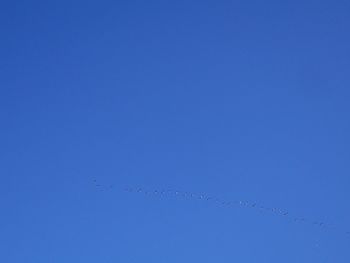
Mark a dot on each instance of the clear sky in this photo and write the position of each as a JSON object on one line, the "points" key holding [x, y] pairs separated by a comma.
{"points": [[243, 100]]}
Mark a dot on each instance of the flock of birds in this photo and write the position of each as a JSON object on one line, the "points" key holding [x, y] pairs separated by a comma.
{"points": [[224, 203]]}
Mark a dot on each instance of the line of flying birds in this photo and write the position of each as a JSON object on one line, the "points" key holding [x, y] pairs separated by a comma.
{"points": [[219, 201]]}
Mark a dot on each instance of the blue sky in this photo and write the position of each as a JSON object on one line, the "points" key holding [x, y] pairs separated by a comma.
{"points": [[243, 100]]}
